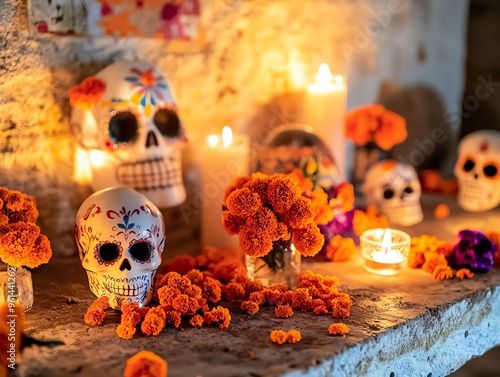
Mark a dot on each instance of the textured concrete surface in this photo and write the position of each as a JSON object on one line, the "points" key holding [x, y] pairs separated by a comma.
{"points": [[405, 325]]}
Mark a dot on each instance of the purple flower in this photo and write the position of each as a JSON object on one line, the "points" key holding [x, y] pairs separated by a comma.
{"points": [[473, 251]]}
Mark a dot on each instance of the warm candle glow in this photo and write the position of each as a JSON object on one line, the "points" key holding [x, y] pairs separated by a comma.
{"points": [[227, 136], [387, 241], [212, 140], [96, 158], [324, 75]]}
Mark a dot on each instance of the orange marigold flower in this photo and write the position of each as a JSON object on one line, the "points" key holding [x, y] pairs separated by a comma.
{"points": [[344, 200], [172, 318], [340, 249], [494, 237], [282, 192], [304, 183], [229, 269], [154, 322], [279, 336], [250, 307], [442, 272], [235, 292], [255, 244], [287, 297], [433, 259], [391, 130], [308, 241], [283, 311], [258, 184], [243, 203], [281, 233], [97, 311], [321, 309], [339, 329], [211, 290], [181, 264], [125, 331], [301, 299], [87, 93], [464, 273], [442, 211], [232, 224], [253, 286], [341, 305], [300, 213], [185, 305], [193, 291], [218, 315], [144, 364], [257, 297], [195, 276], [264, 219], [40, 253], [196, 321], [166, 296], [131, 316], [16, 242], [273, 296], [294, 336]]}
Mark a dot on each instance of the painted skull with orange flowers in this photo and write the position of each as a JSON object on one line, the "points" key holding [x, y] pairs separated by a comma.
{"points": [[126, 122]]}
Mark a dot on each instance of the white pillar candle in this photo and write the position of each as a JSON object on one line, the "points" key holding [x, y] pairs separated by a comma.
{"points": [[325, 107], [224, 158]]}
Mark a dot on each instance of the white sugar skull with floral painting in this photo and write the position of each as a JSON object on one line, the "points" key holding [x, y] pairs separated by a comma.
{"points": [[126, 121], [120, 236]]}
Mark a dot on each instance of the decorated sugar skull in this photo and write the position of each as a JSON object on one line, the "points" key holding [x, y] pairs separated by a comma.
{"points": [[395, 190], [477, 171], [120, 238], [296, 146], [126, 122]]}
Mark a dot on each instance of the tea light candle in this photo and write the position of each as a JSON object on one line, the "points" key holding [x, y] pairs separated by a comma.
{"points": [[385, 251], [224, 158], [325, 107]]}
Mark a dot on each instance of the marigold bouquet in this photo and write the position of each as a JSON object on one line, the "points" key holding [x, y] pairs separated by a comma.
{"points": [[266, 211], [21, 243], [375, 124]]}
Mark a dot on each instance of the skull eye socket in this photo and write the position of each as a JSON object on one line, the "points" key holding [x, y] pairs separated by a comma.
{"points": [[408, 190], [141, 251], [167, 121], [388, 193], [123, 127], [108, 252], [469, 165], [490, 170]]}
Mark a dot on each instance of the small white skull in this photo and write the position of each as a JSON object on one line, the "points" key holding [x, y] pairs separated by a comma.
{"points": [[395, 190], [120, 238], [477, 171], [126, 120]]}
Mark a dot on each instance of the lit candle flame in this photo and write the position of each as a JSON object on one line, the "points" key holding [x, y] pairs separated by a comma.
{"points": [[227, 136], [387, 241], [212, 140], [324, 75]]}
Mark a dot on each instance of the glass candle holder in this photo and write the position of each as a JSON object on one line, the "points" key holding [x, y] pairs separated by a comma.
{"points": [[385, 251]]}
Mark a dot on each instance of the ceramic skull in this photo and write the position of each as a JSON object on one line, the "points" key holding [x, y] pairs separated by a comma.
{"points": [[120, 238], [477, 171], [125, 119], [395, 190]]}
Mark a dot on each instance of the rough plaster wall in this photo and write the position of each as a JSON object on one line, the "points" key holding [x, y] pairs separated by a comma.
{"points": [[256, 51]]}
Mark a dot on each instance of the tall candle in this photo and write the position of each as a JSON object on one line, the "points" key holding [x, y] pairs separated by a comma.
{"points": [[225, 158], [325, 107]]}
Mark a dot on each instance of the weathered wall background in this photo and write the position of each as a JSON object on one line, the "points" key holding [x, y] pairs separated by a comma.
{"points": [[255, 51]]}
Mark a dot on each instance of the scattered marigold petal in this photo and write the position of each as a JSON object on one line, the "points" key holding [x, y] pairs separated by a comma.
{"points": [[442, 272], [146, 364], [340, 249], [154, 322], [283, 311], [339, 329], [250, 307], [442, 211], [464, 273], [279, 336], [196, 321], [294, 336], [219, 316]]}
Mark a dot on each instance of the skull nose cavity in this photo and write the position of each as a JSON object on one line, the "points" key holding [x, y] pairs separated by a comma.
{"points": [[125, 265], [151, 141], [476, 176]]}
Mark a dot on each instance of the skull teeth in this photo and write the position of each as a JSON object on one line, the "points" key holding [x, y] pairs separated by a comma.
{"points": [[128, 287], [150, 174], [474, 193]]}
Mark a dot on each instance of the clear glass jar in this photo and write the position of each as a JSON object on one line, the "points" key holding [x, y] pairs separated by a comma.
{"points": [[16, 286], [280, 265]]}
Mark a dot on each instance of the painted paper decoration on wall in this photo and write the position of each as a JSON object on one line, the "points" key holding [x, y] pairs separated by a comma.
{"points": [[164, 19]]}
